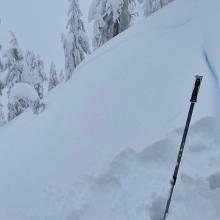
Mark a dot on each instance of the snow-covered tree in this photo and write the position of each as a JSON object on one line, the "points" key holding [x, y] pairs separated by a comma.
{"points": [[2, 116], [1, 63], [76, 43], [110, 18], [150, 6], [124, 14], [36, 75], [23, 96], [19, 68], [1, 70], [53, 78], [61, 76], [14, 63], [42, 77], [27, 71], [103, 23]]}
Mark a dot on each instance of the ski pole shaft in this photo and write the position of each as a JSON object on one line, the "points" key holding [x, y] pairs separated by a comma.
{"points": [[193, 100]]}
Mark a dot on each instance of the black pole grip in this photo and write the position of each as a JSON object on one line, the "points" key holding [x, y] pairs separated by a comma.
{"points": [[196, 89]]}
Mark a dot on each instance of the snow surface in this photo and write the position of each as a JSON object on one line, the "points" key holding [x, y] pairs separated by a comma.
{"points": [[105, 147]]}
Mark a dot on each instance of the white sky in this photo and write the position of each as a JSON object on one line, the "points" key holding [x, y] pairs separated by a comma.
{"points": [[38, 25]]}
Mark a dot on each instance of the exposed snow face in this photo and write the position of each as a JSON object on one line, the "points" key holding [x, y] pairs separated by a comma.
{"points": [[107, 144]]}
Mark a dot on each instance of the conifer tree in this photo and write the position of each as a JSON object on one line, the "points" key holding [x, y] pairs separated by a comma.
{"points": [[53, 78], [150, 6], [2, 116], [36, 75], [1, 63], [75, 44], [1, 70], [61, 76], [110, 18], [42, 77], [13, 63]]}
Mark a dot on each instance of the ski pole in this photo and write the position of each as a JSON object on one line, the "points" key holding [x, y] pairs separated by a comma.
{"points": [[193, 100]]}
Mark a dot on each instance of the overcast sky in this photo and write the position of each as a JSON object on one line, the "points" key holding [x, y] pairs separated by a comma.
{"points": [[38, 25]]}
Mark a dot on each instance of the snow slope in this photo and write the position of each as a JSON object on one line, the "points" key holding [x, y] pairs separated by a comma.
{"points": [[106, 145]]}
